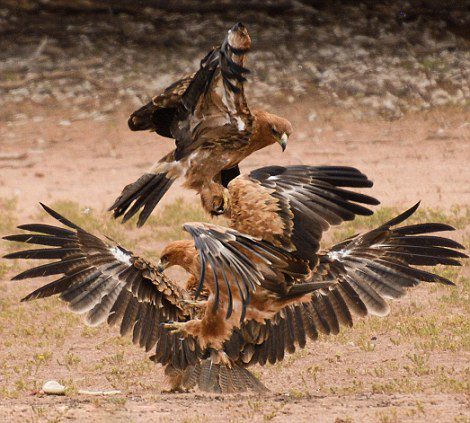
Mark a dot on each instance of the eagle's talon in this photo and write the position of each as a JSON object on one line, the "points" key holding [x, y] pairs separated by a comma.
{"points": [[175, 327], [196, 303]]}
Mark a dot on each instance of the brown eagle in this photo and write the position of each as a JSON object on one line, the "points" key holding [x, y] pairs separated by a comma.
{"points": [[277, 217], [158, 114], [212, 125], [108, 283], [262, 299]]}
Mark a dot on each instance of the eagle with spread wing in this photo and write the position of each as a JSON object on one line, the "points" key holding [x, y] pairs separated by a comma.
{"points": [[159, 113], [271, 298], [212, 125], [277, 217]]}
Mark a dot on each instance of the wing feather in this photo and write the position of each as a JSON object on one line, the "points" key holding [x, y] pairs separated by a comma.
{"points": [[378, 264], [211, 102], [240, 261], [296, 204], [108, 283], [369, 269]]}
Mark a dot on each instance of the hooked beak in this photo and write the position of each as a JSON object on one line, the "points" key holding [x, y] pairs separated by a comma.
{"points": [[237, 26], [222, 209], [161, 266], [283, 141], [218, 211]]}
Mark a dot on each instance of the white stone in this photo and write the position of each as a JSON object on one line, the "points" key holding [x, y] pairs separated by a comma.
{"points": [[52, 387]]}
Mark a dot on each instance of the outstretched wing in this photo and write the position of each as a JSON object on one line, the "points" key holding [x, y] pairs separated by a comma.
{"points": [[369, 269], [292, 206], [378, 264], [213, 106], [158, 114], [242, 262], [108, 283]]}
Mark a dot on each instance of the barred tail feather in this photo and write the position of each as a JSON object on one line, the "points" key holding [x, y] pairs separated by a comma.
{"points": [[220, 378]]}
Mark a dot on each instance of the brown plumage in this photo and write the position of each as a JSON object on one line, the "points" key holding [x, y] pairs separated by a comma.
{"points": [[276, 213], [292, 206], [109, 283], [214, 131], [227, 304], [217, 149], [158, 114]]}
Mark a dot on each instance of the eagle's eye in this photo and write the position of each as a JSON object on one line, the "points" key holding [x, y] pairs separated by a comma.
{"points": [[275, 132], [163, 263]]}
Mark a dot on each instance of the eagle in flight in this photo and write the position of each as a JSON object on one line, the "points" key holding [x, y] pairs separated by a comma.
{"points": [[214, 130], [249, 297], [158, 114]]}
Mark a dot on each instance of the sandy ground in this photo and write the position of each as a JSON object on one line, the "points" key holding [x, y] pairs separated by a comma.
{"points": [[46, 155], [420, 157]]}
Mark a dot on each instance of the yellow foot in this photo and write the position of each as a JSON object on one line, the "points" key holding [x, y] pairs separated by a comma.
{"points": [[175, 327], [195, 303], [222, 358]]}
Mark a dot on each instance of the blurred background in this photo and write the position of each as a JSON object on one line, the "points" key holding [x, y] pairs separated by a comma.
{"points": [[379, 57]]}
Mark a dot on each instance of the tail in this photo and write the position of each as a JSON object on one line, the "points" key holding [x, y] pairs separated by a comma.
{"points": [[144, 193], [378, 265], [216, 378]]}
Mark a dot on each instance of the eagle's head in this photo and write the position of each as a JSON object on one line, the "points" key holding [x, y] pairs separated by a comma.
{"points": [[239, 39], [271, 129], [215, 199], [177, 253]]}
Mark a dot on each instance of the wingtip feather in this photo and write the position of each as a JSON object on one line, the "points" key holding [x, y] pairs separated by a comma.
{"points": [[59, 217]]}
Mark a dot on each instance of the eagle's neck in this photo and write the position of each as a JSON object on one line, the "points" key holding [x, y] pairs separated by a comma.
{"points": [[261, 136]]}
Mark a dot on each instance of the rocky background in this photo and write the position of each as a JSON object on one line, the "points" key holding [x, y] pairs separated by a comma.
{"points": [[370, 57]]}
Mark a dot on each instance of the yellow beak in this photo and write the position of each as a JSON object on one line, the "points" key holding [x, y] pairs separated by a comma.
{"points": [[283, 141], [161, 266]]}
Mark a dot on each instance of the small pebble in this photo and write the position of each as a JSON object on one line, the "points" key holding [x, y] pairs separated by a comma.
{"points": [[52, 387]]}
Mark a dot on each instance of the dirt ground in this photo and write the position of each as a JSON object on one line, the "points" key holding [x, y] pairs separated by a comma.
{"points": [[378, 371], [47, 155]]}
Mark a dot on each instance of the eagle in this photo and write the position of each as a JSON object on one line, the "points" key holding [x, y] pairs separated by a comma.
{"points": [[109, 283], [212, 125], [158, 114], [277, 217]]}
